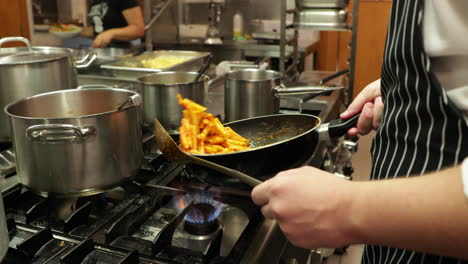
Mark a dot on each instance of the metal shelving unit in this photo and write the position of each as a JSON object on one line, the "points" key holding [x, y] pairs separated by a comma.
{"points": [[300, 22]]}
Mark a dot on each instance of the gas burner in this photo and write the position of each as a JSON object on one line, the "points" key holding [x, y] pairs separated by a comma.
{"points": [[201, 219], [62, 209]]}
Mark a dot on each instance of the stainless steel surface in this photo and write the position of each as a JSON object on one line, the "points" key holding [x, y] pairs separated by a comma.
{"points": [[160, 91], [7, 162], [17, 39], [104, 55], [250, 93], [20, 80], [233, 219], [132, 67], [4, 238], [148, 33], [322, 3], [74, 142], [157, 15], [172, 152], [323, 19], [256, 92], [122, 83]]}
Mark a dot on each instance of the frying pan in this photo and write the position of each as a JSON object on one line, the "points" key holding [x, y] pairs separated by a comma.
{"points": [[278, 142]]}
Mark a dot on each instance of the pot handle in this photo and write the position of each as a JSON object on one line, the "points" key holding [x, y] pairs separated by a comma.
{"points": [[134, 100], [60, 133], [14, 39], [317, 90], [86, 60]]}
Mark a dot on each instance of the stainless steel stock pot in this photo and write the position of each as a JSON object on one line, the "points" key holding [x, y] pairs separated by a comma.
{"points": [[76, 142], [159, 91], [27, 71]]}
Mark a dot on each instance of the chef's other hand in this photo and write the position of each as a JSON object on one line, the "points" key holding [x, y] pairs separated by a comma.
{"points": [[312, 206], [369, 103], [103, 39]]}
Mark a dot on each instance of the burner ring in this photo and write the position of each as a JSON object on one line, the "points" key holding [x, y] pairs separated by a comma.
{"points": [[198, 220]]}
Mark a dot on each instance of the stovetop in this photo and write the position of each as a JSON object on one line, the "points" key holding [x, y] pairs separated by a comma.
{"points": [[152, 219], [165, 215]]}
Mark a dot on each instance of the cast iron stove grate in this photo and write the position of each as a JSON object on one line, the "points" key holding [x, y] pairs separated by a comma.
{"points": [[118, 226]]}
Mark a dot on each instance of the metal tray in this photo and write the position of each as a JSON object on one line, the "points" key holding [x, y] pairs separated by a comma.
{"points": [[120, 68], [339, 4], [322, 19]]}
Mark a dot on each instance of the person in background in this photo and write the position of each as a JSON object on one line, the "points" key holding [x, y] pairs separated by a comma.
{"points": [[419, 108], [115, 23]]}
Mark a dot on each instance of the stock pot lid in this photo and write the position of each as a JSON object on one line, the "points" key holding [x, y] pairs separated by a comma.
{"points": [[30, 57]]}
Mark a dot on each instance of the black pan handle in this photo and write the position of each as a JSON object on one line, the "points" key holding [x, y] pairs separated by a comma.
{"points": [[339, 127]]}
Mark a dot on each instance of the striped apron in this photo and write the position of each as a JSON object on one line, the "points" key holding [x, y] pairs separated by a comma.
{"points": [[421, 131]]}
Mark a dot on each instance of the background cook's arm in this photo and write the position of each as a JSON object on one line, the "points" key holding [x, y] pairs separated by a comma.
{"points": [[134, 30]]}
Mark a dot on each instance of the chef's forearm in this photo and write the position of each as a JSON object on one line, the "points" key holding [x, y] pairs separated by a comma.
{"points": [[428, 213], [127, 33]]}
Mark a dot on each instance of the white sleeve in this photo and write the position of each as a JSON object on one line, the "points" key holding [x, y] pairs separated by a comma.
{"points": [[445, 27], [464, 174]]}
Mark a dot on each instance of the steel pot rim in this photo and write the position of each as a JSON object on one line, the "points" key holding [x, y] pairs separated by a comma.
{"points": [[268, 145], [275, 73], [57, 57], [6, 109], [141, 79]]}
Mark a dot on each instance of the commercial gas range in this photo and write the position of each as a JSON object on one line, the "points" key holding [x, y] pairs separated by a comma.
{"points": [[167, 214]]}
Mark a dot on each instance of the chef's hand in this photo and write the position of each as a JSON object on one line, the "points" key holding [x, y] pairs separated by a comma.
{"points": [[369, 103], [103, 39], [310, 205]]}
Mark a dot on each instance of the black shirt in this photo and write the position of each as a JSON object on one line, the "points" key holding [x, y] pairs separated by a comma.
{"points": [[107, 14]]}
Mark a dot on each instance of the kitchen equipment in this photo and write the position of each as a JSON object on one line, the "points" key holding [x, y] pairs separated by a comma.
{"points": [[7, 162], [321, 19], [255, 92], [213, 33], [4, 237], [134, 67], [24, 73], [74, 142], [338, 4], [147, 225], [172, 152], [105, 55], [278, 142], [203, 69], [159, 92]]}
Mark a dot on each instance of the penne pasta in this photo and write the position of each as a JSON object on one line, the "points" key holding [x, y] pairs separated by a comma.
{"points": [[202, 133]]}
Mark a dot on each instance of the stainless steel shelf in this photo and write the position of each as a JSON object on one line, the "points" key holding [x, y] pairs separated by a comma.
{"points": [[307, 15]]}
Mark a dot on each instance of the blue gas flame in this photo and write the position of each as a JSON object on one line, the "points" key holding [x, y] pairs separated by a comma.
{"points": [[196, 216]]}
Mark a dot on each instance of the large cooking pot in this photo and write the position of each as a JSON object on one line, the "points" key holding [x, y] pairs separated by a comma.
{"points": [[255, 92], [159, 91], [278, 142], [28, 71], [4, 238], [76, 142]]}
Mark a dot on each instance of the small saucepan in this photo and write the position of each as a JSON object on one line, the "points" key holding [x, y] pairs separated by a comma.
{"points": [[256, 92]]}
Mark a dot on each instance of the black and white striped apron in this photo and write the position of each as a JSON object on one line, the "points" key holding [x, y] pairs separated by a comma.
{"points": [[421, 131]]}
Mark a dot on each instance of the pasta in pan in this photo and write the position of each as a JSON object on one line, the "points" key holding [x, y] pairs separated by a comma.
{"points": [[202, 133]]}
